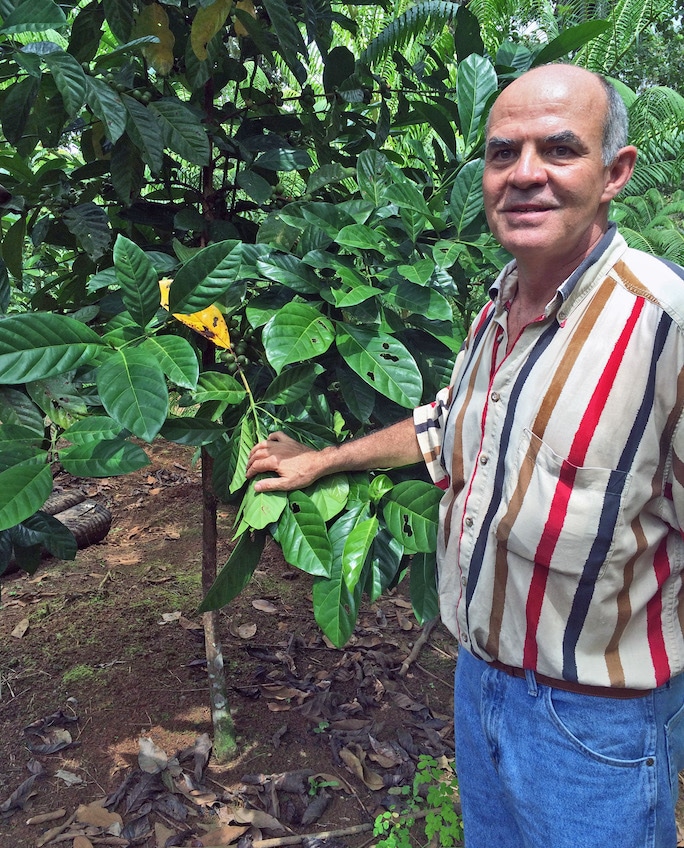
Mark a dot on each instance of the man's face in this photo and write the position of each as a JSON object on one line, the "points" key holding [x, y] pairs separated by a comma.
{"points": [[544, 178]]}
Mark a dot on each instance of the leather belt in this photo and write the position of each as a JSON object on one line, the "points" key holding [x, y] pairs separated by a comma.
{"points": [[570, 685]]}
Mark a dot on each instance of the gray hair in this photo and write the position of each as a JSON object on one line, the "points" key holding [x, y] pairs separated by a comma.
{"points": [[616, 124]]}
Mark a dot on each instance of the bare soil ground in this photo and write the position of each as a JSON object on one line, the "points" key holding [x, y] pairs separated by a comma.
{"points": [[99, 654]]}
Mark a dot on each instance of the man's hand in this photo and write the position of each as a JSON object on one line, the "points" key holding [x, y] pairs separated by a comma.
{"points": [[293, 462]]}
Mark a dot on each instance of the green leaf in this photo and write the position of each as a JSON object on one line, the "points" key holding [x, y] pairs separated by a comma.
{"points": [[17, 408], [335, 607], [145, 132], [133, 390], [95, 428], [383, 362], [90, 224], [329, 495], [192, 431], [475, 83], [106, 458], [259, 509], [423, 583], [236, 573], [466, 202], [327, 174], [34, 16], [386, 561], [138, 280], [289, 37], [356, 549], [372, 176], [59, 398], [13, 247], [37, 345], [50, 532], [177, 358], [23, 490], [70, 80], [411, 513], [107, 106], [361, 237], [292, 384], [259, 189], [283, 159], [119, 16], [213, 385], [569, 41], [12, 435], [420, 300], [297, 332], [204, 278], [17, 106], [303, 536], [290, 271], [183, 131], [244, 439]]}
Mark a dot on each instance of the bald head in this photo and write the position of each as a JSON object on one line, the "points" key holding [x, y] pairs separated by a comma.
{"points": [[593, 88]]}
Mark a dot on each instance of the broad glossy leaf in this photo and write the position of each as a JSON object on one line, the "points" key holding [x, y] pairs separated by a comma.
{"points": [[466, 200], [49, 531], [90, 224], [133, 390], [95, 428], [372, 176], [259, 509], [292, 383], [335, 607], [423, 300], [383, 362], [291, 41], [17, 408], [12, 435], [33, 16], [59, 398], [329, 495], [13, 247], [356, 549], [208, 322], [37, 345], [214, 385], [423, 583], [106, 105], [243, 441], [192, 431], [386, 562], [362, 237], [259, 189], [327, 174], [138, 280], [475, 83], [70, 80], [177, 358], [119, 15], [380, 485], [569, 41], [411, 513], [283, 159], [202, 280], [145, 132], [290, 271], [236, 573], [303, 536], [23, 490], [106, 458], [297, 332], [183, 131]]}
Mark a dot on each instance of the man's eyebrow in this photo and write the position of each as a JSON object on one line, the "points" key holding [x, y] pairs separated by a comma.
{"points": [[565, 137], [496, 141]]}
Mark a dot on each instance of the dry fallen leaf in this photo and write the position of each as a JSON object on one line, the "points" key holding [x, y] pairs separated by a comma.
{"points": [[162, 834], [263, 605], [82, 842], [96, 815], [168, 617], [20, 629], [355, 763], [247, 631], [224, 835], [258, 819], [151, 759], [68, 777], [403, 621]]}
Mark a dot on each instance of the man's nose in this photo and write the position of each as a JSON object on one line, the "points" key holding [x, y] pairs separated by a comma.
{"points": [[529, 169]]}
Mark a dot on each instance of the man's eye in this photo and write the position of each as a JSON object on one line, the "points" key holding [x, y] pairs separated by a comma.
{"points": [[560, 151], [503, 155]]}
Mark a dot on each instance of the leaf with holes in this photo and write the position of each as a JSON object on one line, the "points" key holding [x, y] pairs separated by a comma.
{"points": [[383, 362], [303, 536], [296, 333], [411, 512]]}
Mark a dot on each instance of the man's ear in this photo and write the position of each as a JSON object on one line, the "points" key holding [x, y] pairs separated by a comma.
{"points": [[618, 172]]}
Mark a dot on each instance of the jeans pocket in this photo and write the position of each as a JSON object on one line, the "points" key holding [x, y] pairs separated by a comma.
{"points": [[674, 742], [607, 730]]}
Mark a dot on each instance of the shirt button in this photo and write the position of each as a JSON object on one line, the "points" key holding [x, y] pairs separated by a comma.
{"points": [[469, 521], [464, 581], [484, 459], [464, 638], [495, 396]]}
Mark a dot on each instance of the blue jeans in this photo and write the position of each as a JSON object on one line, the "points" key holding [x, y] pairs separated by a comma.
{"points": [[542, 768]]}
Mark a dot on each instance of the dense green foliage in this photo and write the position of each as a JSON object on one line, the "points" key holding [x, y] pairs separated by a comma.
{"points": [[320, 187]]}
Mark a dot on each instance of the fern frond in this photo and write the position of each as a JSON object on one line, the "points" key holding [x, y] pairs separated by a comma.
{"points": [[628, 19], [417, 21]]}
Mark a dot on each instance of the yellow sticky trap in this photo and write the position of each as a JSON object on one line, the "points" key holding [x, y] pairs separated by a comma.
{"points": [[208, 322]]}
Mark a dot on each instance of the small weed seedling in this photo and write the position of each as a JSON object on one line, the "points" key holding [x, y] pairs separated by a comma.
{"points": [[437, 810]]}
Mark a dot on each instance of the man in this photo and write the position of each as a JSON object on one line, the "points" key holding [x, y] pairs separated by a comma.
{"points": [[560, 547]]}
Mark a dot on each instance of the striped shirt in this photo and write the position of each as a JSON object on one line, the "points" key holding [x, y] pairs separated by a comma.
{"points": [[560, 546]]}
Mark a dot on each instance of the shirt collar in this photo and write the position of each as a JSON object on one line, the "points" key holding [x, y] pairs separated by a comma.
{"points": [[505, 284]]}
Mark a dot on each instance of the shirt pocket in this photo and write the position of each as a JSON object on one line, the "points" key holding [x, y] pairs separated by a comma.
{"points": [[562, 516]]}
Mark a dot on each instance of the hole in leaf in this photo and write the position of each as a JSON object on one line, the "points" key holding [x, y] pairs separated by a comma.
{"points": [[407, 529], [295, 507], [313, 340], [370, 375], [390, 357], [385, 345]]}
